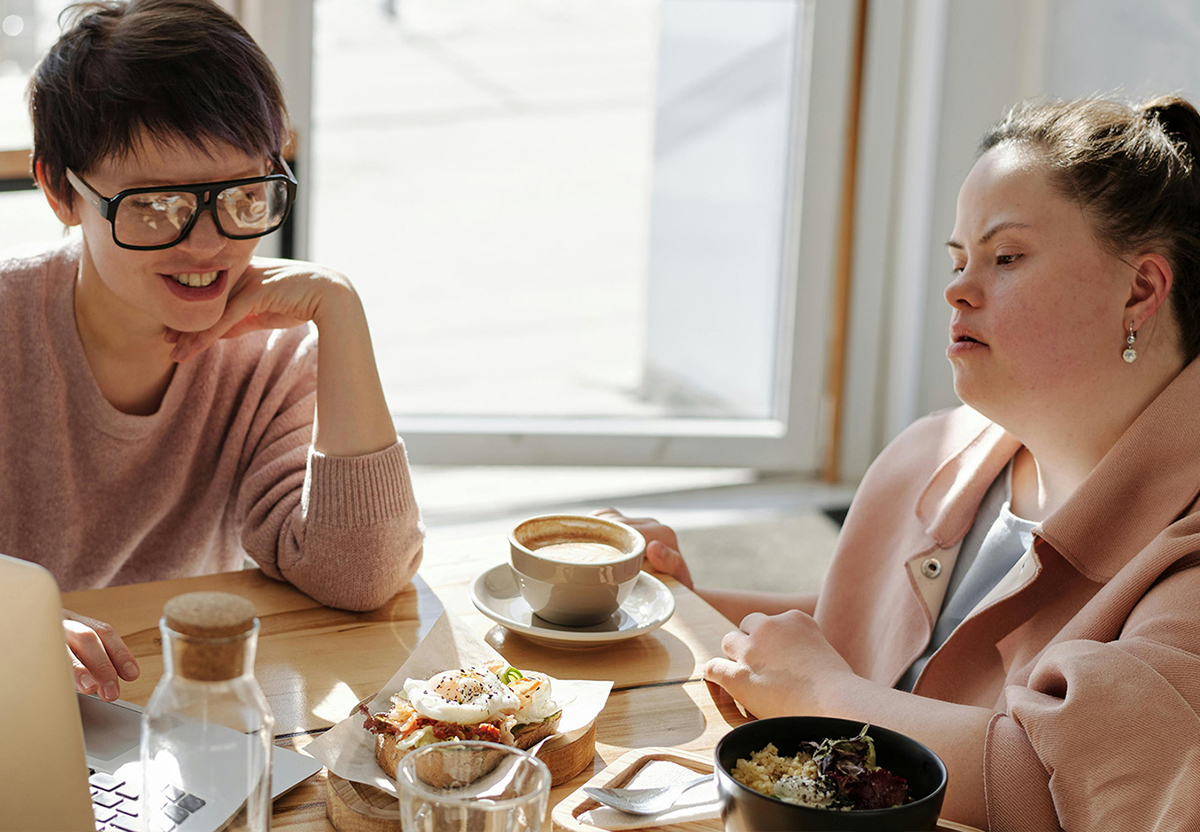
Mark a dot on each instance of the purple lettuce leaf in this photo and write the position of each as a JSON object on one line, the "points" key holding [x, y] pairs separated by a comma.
{"points": [[878, 789]]}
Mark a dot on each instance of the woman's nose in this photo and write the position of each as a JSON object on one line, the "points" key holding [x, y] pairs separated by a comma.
{"points": [[204, 235], [962, 290]]}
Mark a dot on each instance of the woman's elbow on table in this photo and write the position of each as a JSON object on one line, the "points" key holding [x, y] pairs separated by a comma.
{"points": [[371, 595], [359, 572], [404, 568]]}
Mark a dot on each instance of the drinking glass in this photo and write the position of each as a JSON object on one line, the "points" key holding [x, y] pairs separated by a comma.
{"points": [[472, 786]]}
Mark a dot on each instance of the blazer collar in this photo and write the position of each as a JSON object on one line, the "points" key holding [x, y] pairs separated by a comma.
{"points": [[1147, 480], [979, 449]]}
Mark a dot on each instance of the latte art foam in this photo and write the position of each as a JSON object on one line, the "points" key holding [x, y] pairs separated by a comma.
{"points": [[581, 551]]}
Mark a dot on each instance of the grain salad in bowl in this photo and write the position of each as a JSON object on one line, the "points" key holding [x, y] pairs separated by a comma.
{"points": [[830, 774], [808, 773]]}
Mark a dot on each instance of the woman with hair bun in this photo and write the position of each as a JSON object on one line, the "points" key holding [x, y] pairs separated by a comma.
{"points": [[1017, 584]]}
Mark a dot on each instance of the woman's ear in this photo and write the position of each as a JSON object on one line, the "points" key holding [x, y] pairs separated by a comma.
{"points": [[1152, 280], [64, 209]]}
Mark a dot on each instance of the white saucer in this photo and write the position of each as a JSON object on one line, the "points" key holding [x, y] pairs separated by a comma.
{"points": [[495, 594]]}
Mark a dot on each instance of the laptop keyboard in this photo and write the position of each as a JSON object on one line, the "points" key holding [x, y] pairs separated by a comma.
{"points": [[117, 803]]}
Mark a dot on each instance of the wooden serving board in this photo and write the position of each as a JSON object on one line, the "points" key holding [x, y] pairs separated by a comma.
{"points": [[357, 807], [565, 817]]}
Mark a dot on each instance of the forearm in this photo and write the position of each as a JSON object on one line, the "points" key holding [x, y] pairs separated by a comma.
{"points": [[956, 733], [736, 604], [352, 416]]}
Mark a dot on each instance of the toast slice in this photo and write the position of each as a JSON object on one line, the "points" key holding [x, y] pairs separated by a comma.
{"points": [[528, 735]]}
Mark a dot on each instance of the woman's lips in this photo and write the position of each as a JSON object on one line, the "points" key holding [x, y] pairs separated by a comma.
{"points": [[197, 293], [963, 341], [964, 346]]}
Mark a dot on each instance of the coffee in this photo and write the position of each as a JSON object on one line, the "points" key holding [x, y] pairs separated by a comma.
{"points": [[581, 551], [575, 570]]}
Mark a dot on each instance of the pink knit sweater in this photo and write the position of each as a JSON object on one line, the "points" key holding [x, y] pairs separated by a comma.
{"points": [[224, 468]]}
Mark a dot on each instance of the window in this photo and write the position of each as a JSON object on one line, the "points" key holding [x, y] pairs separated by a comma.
{"points": [[577, 225]]}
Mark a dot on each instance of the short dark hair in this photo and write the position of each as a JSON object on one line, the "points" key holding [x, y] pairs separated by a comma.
{"points": [[171, 70], [1133, 170]]}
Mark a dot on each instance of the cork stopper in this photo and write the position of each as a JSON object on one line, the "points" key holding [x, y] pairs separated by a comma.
{"points": [[215, 626]]}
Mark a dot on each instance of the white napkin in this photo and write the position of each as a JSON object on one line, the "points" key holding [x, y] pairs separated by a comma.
{"points": [[699, 803], [348, 750]]}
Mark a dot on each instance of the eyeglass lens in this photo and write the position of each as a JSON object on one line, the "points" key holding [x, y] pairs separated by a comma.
{"points": [[154, 219]]}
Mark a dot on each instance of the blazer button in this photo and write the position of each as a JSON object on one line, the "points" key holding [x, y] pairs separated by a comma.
{"points": [[931, 567]]}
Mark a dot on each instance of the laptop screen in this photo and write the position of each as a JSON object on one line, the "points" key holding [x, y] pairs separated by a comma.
{"points": [[43, 771]]}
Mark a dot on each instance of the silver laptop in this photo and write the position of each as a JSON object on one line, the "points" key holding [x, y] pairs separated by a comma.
{"points": [[70, 762]]}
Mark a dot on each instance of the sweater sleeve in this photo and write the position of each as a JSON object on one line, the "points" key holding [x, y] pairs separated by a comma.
{"points": [[344, 530], [1106, 735]]}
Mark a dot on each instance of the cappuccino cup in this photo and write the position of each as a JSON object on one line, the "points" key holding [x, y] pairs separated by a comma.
{"points": [[575, 570]]}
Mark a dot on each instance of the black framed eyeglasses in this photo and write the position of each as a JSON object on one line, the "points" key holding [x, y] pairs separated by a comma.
{"points": [[145, 219]]}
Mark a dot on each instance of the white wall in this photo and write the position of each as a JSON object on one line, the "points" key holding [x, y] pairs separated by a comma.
{"points": [[1139, 48]]}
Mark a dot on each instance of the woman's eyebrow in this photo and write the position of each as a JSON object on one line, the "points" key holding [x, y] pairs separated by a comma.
{"points": [[246, 173], [990, 233]]}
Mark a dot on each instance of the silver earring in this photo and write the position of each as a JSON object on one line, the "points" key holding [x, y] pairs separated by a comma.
{"points": [[1130, 354]]}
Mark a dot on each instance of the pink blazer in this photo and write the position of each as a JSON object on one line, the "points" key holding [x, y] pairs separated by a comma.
{"points": [[1088, 651]]}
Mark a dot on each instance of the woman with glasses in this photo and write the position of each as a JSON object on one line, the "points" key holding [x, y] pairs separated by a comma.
{"points": [[169, 405]]}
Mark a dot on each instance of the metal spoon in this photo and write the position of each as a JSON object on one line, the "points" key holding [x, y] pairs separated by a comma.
{"points": [[644, 801]]}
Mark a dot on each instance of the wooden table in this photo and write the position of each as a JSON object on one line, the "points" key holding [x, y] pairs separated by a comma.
{"points": [[315, 663]]}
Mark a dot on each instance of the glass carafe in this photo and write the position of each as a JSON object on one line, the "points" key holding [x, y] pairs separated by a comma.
{"points": [[208, 733]]}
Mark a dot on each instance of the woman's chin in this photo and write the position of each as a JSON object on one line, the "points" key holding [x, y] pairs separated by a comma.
{"points": [[192, 323], [974, 398]]}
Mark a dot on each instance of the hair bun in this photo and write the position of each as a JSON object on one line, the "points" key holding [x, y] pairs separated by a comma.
{"points": [[1178, 119]]}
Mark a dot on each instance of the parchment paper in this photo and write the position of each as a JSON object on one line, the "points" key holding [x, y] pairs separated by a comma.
{"points": [[348, 750]]}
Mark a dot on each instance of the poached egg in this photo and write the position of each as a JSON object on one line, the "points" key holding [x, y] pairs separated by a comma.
{"points": [[467, 696]]}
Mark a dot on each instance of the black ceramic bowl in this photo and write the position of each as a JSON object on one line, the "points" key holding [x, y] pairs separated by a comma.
{"points": [[745, 810]]}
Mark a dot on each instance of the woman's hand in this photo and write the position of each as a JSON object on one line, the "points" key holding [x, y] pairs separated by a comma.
{"points": [[779, 665], [662, 547], [352, 413], [99, 657], [271, 294], [662, 555]]}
